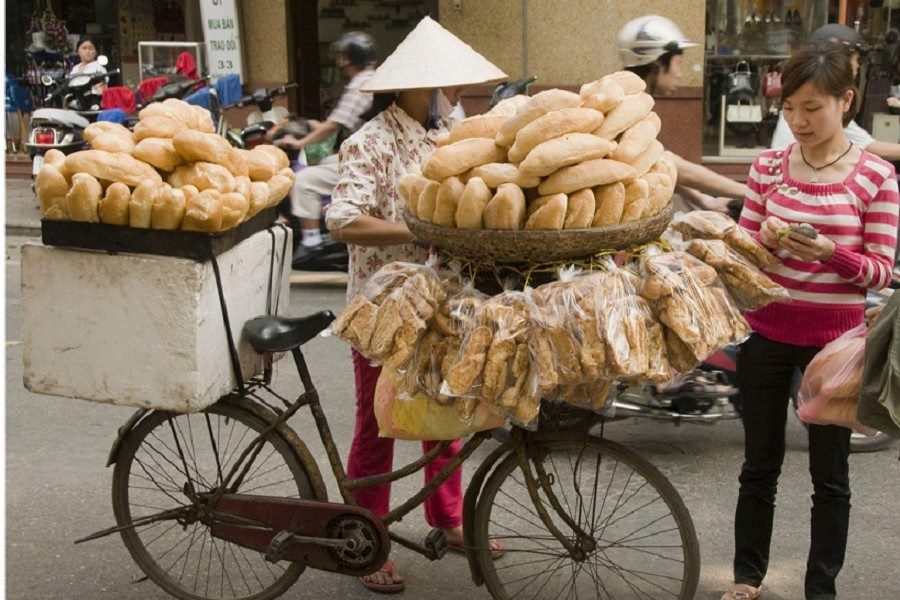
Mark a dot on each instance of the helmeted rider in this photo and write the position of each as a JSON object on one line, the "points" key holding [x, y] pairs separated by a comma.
{"points": [[355, 54]]}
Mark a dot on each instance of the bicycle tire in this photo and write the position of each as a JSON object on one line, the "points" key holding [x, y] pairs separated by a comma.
{"points": [[139, 549], [602, 448]]}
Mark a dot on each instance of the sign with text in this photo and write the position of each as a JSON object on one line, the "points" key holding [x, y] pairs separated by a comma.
{"points": [[222, 36]]}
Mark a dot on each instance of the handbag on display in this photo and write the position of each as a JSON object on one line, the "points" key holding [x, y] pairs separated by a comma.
{"points": [[743, 113], [742, 79], [771, 84]]}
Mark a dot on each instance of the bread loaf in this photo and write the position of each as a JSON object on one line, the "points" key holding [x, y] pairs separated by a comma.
{"points": [[261, 165], [428, 201], [661, 189], [50, 187], [479, 126], [549, 212], [277, 154], [140, 207], [647, 158], [109, 167], [202, 120], [454, 159], [603, 95], [552, 125], [506, 210], [570, 149], [159, 152], [666, 166], [410, 187], [580, 209], [590, 173], [242, 186], [610, 204], [111, 137], [113, 207], [631, 110], [259, 197], [171, 108], [83, 198], [195, 146], [279, 187], [445, 204], [509, 106], [157, 126], [630, 82], [169, 207], [471, 205], [496, 174], [637, 138], [203, 176], [190, 191], [54, 157], [234, 209], [536, 106], [204, 212]]}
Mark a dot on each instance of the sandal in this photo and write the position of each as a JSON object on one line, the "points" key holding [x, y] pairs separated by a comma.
{"points": [[384, 588], [733, 594], [498, 549]]}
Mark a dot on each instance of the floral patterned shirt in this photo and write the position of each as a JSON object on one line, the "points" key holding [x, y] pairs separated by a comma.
{"points": [[372, 161]]}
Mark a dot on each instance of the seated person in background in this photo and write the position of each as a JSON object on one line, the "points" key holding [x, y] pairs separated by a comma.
{"points": [[87, 52], [651, 47], [853, 42]]}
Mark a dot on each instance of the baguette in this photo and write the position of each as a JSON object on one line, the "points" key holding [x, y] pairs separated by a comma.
{"points": [[552, 125], [204, 212], [446, 202], [50, 186], [648, 158], [610, 204], [631, 110], [140, 207], [479, 126], [547, 212], [580, 210], [157, 126], [428, 201], [109, 167], [111, 137], [277, 154], [637, 138], [537, 106], [570, 149], [279, 187], [195, 146], [83, 198], [496, 174], [471, 205], [234, 209], [159, 152], [168, 210], [259, 197], [113, 207], [261, 165], [203, 176], [454, 159], [509, 106], [410, 187], [590, 173], [506, 210], [54, 157], [630, 82], [603, 95]]}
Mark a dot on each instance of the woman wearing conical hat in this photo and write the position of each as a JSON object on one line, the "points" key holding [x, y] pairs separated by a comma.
{"points": [[415, 90]]}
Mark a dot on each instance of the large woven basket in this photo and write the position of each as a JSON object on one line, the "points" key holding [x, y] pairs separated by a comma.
{"points": [[539, 246]]}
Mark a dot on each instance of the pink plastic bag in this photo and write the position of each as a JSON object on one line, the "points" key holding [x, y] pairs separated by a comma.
{"points": [[829, 393]]}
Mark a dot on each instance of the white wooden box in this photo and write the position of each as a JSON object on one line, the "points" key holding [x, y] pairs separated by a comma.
{"points": [[144, 330]]}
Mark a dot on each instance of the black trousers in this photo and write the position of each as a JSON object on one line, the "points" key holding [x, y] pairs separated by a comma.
{"points": [[764, 372]]}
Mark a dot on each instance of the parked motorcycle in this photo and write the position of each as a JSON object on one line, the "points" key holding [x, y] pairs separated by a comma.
{"points": [[263, 119]]}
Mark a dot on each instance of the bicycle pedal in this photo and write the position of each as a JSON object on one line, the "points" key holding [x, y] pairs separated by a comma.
{"points": [[279, 545], [436, 543]]}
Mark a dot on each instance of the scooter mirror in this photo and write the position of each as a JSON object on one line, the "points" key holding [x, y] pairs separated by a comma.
{"points": [[103, 60], [46, 80]]}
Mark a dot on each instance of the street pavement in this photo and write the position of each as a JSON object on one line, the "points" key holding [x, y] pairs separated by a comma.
{"points": [[58, 488]]}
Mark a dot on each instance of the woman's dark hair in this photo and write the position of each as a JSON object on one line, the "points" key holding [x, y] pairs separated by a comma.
{"points": [[380, 102], [85, 40], [650, 72], [827, 67]]}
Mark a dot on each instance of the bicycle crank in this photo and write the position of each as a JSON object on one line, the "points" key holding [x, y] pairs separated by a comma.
{"points": [[323, 535]]}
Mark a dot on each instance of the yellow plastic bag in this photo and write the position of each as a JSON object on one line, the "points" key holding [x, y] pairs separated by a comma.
{"points": [[417, 417]]}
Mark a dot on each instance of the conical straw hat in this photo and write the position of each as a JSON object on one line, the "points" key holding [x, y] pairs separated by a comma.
{"points": [[432, 57]]}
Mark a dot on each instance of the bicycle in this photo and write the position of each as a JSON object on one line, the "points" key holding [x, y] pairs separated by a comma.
{"points": [[205, 514]]}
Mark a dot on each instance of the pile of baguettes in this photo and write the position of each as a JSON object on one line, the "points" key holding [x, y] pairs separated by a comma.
{"points": [[173, 172], [556, 160]]}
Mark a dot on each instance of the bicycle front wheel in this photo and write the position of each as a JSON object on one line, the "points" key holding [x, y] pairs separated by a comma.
{"points": [[644, 542], [167, 466]]}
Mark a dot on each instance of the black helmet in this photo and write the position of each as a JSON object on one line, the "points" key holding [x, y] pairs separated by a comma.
{"points": [[839, 34], [358, 47]]}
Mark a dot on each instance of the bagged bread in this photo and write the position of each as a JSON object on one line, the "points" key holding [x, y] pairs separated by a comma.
{"points": [[109, 167], [590, 173], [631, 110], [547, 212], [747, 285], [454, 159], [261, 165], [711, 225], [169, 207], [410, 187], [159, 152], [446, 202], [610, 204], [50, 187], [113, 207], [637, 139], [570, 149], [553, 125], [204, 212], [554, 340], [472, 202], [111, 137], [506, 210], [427, 202], [496, 174], [203, 176], [140, 206], [83, 198], [479, 126], [580, 209], [195, 146], [536, 106]]}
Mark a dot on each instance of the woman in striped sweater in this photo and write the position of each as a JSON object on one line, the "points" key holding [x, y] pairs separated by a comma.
{"points": [[850, 197]]}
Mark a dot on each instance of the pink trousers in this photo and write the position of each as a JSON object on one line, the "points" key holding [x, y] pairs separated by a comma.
{"points": [[373, 455]]}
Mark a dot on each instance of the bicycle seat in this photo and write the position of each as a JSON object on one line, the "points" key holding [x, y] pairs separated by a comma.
{"points": [[281, 334]]}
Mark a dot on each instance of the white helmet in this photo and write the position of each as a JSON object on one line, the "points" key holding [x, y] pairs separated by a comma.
{"points": [[643, 40]]}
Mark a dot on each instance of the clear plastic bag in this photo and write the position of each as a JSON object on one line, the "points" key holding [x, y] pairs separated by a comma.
{"points": [[711, 225], [749, 287], [623, 320], [829, 392], [406, 416]]}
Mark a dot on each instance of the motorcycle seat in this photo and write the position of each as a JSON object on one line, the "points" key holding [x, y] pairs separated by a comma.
{"points": [[280, 334], [58, 115]]}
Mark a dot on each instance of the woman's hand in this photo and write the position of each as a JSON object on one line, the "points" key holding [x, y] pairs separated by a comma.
{"points": [[873, 313], [820, 249], [768, 232]]}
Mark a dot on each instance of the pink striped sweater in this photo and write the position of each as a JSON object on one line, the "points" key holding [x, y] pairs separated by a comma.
{"points": [[860, 214]]}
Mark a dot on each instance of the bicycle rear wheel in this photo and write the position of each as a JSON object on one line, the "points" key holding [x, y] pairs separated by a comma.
{"points": [[178, 552], [646, 545]]}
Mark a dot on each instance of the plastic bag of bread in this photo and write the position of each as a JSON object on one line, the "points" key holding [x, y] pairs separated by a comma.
{"points": [[405, 415], [385, 322], [692, 303], [593, 394], [711, 225], [623, 323], [749, 287]]}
